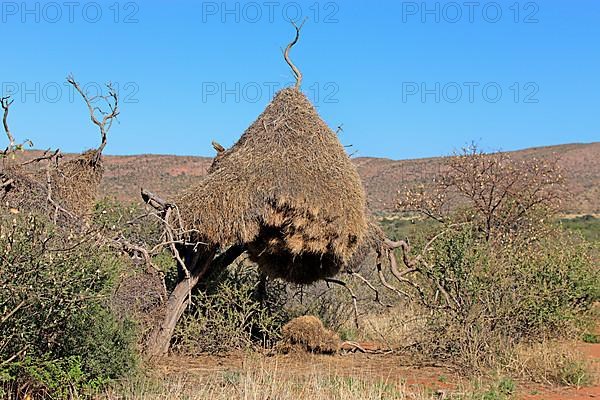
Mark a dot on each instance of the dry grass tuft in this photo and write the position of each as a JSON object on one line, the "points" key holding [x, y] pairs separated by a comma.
{"points": [[288, 190], [258, 381], [307, 333], [397, 328], [550, 362]]}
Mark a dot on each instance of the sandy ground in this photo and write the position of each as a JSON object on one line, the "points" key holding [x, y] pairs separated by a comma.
{"points": [[377, 367], [592, 352]]}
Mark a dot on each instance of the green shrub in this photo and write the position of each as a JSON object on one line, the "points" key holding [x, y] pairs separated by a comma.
{"points": [[587, 225], [119, 219], [592, 338], [235, 309], [486, 296], [57, 333]]}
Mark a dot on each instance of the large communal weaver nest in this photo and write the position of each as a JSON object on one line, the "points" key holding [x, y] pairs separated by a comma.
{"points": [[287, 190]]}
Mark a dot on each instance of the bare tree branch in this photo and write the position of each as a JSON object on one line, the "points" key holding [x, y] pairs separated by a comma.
{"points": [[218, 148], [6, 102], [107, 117], [47, 155], [153, 200], [11, 313], [371, 286], [286, 54], [349, 289], [51, 201]]}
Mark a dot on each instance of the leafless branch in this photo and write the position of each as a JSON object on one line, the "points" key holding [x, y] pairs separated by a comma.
{"points": [[171, 241], [6, 102], [153, 200], [15, 356], [384, 281], [349, 289], [371, 286], [354, 346], [286, 54], [57, 207], [13, 312], [107, 117], [218, 148], [46, 156]]}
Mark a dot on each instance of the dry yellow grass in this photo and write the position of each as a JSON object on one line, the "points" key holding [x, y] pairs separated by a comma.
{"points": [[258, 381], [550, 362], [396, 328]]}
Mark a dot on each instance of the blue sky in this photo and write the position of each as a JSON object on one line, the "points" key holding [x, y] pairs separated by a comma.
{"points": [[406, 79]]}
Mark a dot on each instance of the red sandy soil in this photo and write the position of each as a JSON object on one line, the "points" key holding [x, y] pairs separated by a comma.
{"points": [[367, 367], [377, 367], [592, 352]]}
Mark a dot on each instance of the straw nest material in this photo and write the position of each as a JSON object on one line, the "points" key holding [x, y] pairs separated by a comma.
{"points": [[287, 190], [22, 190], [308, 334], [76, 183]]}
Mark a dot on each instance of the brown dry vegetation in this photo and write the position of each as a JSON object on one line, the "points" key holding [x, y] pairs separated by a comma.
{"points": [[381, 177], [287, 190], [307, 333]]}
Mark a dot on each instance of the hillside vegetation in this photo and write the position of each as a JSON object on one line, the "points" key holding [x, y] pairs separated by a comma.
{"points": [[383, 178]]}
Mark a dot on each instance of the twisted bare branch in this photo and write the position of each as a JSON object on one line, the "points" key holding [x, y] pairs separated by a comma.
{"points": [[107, 117], [286, 54], [349, 289], [47, 155], [6, 103]]}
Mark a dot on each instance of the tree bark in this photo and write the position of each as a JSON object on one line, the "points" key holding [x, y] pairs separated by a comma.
{"points": [[199, 264], [160, 339]]}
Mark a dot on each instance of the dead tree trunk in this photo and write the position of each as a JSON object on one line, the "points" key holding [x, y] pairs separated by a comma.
{"points": [[199, 264], [160, 339]]}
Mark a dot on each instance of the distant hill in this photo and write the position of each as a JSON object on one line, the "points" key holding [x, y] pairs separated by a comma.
{"points": [[383, 178]]}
